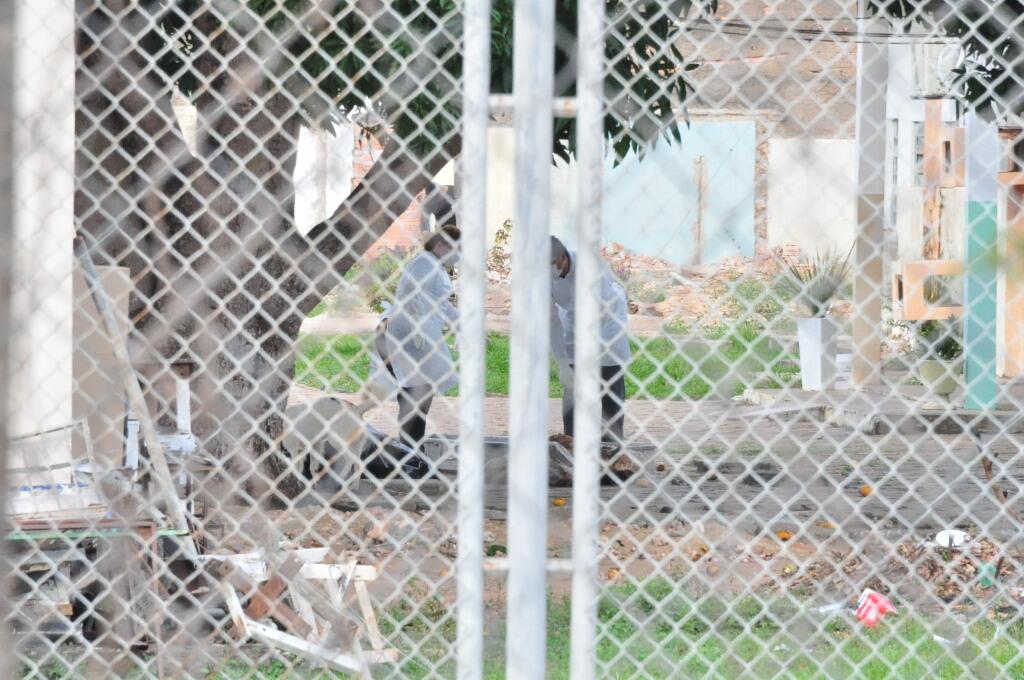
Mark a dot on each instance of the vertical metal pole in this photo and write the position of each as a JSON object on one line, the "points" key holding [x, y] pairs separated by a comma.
{"points": [[531, 298], [587, 387], [472, 281], [7, 37], [868, 285]]}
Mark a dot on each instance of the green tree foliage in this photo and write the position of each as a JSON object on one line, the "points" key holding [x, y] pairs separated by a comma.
{"points": [[402, 59], [991, 34]]}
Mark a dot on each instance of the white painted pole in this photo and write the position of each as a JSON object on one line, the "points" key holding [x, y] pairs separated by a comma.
{"points": [[182, 405], [587, 388], [7, 201], [868, 284], [43, 216], [472, 282], [531, 299]]}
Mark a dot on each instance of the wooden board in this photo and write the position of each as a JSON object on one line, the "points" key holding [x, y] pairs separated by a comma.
{"points": [[290, 643], [266, 599]]}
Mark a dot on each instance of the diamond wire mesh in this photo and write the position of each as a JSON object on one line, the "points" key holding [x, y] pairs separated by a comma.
{"points": [[744, 510]]}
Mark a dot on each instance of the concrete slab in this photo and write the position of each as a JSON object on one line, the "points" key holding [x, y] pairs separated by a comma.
{"points": [[908, 409]]}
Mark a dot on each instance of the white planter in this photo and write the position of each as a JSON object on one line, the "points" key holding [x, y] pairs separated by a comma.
{"points": [[941, 377], [819, 345]]}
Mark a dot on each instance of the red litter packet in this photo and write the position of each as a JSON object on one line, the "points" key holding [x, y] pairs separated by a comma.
{"points": [[872, 606]]}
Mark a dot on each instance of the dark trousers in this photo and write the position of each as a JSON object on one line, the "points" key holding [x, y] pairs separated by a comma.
{"points": [[413, 400], [413, 406], [613, 405]]}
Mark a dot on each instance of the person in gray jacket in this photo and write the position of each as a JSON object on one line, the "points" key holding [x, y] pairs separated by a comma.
{"points": [[412, 359], [615, 352]]}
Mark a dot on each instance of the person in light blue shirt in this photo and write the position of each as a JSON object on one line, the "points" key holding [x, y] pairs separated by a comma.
{"points": [[615, 352]]}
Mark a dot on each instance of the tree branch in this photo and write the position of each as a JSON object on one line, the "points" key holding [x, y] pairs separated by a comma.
{"points": [[330, 248]]}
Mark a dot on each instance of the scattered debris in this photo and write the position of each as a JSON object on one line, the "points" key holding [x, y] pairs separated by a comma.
{"points": [[987, 574], [310, 620], [558, 502], [831, 608], [951, 538], [865, 490], [872, 608], [948, 644]]}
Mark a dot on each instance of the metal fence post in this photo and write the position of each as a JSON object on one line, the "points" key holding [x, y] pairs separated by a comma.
{"points": [[7, 38], [531, 298], [587, 390], [872, 75], [472, 281]]}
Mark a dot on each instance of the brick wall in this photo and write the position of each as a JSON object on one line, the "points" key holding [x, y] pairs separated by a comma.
{"points": [[405, 232]]}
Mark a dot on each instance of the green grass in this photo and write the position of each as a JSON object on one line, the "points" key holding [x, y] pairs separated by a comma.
{"points": [[320, 308], [722, 362], [652, 630]]}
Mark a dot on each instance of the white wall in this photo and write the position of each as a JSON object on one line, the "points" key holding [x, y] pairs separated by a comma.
{"points": [[812, 193], [501, 193], [44, 147], [323, 174]]}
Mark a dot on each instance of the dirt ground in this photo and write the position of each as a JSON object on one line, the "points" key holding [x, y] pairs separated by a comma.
{"points": [[409, 532]]}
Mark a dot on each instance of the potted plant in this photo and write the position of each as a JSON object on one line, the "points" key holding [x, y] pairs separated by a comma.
{"points": [[939, 366], [815, 283]]}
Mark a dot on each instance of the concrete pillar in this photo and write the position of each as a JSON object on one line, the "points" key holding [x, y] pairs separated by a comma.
{"points": [[981, 280], [869, 285], [43, 211], [1012, 317]]}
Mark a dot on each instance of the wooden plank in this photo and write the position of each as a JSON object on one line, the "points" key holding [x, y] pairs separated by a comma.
{"points": [[369, 616], [915, 306], [1013, 178], [957, 174], [158, 464], [265, 599], [255, 566], [99, 395], [270, 591], [335, 572], [379, 656], [931, 237], [1013, 298], [239, 629], [83, 533], [337, 598], [304, 609], [314, 652]]}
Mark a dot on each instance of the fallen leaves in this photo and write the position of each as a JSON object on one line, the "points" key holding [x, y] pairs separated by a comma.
{"points": [[784, 535], [559, 502], [865, 490]]}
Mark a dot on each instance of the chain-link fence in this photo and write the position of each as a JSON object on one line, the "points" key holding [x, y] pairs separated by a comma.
{"points": [[527, 339]]}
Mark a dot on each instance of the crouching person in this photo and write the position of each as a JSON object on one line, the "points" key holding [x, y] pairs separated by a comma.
{"points": [[615, 352], [411, 359]]}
